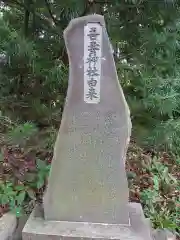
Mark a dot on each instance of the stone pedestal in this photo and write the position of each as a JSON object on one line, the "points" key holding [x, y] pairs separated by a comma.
{"points": [[8, 224], [37, 228]]}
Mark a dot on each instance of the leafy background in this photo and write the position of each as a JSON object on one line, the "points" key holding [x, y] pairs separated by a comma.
{"points": [[33, 84]]}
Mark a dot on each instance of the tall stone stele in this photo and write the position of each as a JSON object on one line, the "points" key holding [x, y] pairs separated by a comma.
{"points": [[87, 193]]}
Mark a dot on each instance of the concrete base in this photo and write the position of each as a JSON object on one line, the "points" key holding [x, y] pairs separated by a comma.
{"points": [[163, 234], [37, 228], [8, 224]]}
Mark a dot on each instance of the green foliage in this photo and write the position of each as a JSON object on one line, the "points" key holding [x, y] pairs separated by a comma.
{"points": [[14, 196], [21, 134], [154, 182], [43, 172], [27, 136], [32, 88], [161, 201], [23, 174], [34, 68], [152, 87]]}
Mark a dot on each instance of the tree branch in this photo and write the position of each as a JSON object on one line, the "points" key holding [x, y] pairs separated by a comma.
{"points": [[26, 17], [50, 12], [16, 2], [12, 2], [88, 5]]}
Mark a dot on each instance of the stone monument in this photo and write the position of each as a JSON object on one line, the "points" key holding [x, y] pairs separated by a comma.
{"points": [[87, 193]]}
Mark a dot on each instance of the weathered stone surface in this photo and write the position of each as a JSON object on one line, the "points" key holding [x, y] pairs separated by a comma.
{"points": [[87, 181], [138, 221], [20, 225], [163, 234], [39, 229], [8, 224]]}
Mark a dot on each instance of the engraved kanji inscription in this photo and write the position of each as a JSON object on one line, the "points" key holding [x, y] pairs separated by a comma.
{"points": [[92, 62]]}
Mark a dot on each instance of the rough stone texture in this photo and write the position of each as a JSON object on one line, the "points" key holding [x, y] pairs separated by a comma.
{"points": [[37, 228], [20, 225], [87, 180], [8, 224], [163, 234]]}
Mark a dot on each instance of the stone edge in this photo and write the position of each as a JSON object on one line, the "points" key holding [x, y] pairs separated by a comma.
{"points": [[83, 20], [8, 224], [140, 228]]}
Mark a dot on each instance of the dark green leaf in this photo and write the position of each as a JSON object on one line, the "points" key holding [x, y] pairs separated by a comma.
{"points": [[20, 197], [4, 199], [40, 182], [20, 187], [41, 164], [18, 211], [31, 194]]}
